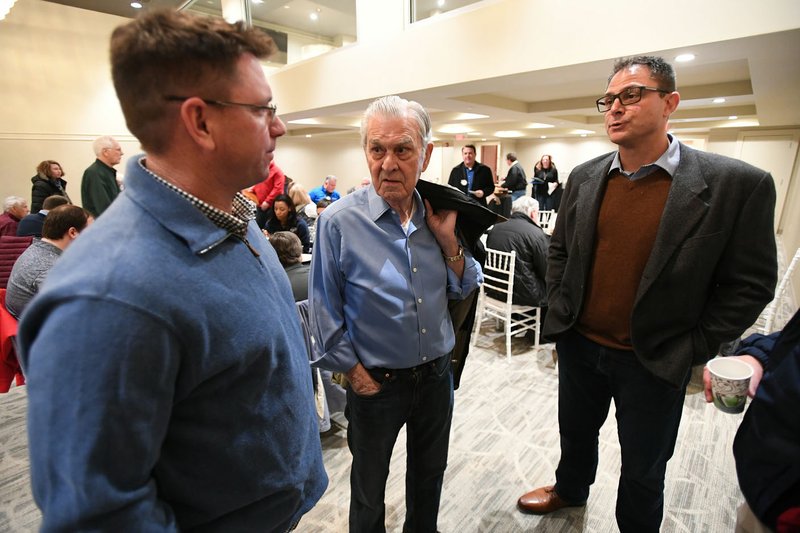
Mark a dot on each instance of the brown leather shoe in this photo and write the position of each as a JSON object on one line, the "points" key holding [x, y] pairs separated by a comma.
{"points": [[543, 500]]}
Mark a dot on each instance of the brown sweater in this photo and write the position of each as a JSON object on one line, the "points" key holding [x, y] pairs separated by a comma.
{"points": [[626, 230]]}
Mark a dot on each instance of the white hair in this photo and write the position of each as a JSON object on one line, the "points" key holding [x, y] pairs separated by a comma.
{"points": [[524, 205], [394, 106], [13, 201], [101, 143]]}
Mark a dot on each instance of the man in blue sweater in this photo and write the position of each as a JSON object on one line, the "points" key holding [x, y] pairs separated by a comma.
{"points": [[163, 396]]}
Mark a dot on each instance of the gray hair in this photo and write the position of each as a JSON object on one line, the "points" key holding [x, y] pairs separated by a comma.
{"points": [[101, 143], [396, 107], [288, 247], [524, 205], [329, 178], [660, 70], [13, 201]]}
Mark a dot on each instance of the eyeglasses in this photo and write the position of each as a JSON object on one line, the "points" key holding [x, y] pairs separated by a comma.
{"points": [[271, 110], [629, 95]]}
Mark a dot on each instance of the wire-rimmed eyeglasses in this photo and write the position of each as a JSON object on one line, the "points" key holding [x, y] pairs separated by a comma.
{"points": [[271, 110], [628, 95]]}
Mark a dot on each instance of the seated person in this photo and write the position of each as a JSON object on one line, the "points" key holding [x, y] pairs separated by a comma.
{"points": [[767, 444], [287, 246], [325, 191], [522, 234], [16, 208], [285, 218], [32, 224], [61, 227]]}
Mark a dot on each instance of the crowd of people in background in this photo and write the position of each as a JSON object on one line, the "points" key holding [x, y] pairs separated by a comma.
{"points": [[623, 333]]}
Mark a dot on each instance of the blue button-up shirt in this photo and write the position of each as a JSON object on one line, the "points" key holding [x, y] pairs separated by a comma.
{"points": [[378, 293], [668, 161]]}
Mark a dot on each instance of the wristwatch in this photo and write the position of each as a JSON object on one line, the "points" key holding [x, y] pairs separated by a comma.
{"points": [[457, 257]]}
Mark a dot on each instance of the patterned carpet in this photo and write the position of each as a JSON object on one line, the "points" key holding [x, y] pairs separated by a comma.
{"points": [[504, 442]]}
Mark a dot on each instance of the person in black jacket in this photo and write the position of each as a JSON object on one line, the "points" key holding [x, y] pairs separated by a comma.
{"points": [[516, 181], [544, 175], [471, 177], [767, 445], [48, 181], [523, 235]]}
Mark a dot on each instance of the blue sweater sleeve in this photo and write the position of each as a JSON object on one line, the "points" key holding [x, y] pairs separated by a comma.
{"points": [[98, 411]]}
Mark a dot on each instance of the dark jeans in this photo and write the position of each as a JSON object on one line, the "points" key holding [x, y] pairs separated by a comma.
{"points": [[648, 415], [422, 399]]}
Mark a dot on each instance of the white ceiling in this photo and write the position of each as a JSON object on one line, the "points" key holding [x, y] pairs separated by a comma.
{"points": [[758, 77]]}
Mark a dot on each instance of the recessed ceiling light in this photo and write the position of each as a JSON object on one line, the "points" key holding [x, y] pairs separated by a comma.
{"points": [[304, 121], [470, 116], [543, 137], [732, 117], [583, 135], [286, 6], [455, 128], [440, 3], [582, 132], [538, 126], [483, 140], [718, 100], [136, 5], [509, 133], [313, 16], [258, 1], [308, 136], [683, 58]]}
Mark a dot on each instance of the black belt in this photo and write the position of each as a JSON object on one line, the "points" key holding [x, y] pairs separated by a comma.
{"points": [[436, 366]]}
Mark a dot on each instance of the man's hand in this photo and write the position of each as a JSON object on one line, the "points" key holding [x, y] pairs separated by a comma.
{"points": [[443, 226], [478, 193], [361, 382], [755, 380]]}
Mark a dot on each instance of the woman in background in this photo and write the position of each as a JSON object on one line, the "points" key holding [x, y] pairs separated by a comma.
{"points": [[547, 188], [284, 218], [48, 181]]}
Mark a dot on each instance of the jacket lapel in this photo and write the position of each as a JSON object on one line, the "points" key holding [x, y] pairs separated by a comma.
{"points": [[590, 196], [686, 206]]}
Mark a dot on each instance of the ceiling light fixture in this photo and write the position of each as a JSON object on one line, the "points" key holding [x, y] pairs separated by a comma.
{"points": [[543, 136], [538, 126], [732, 117], [509, 133], [683, 58], [440, 3], [470, 116], [313, 16], [258, 1], [5, 7], [136, 5], [718, 100]]}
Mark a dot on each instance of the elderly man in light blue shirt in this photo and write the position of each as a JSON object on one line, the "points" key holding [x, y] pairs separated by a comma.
{"points": [[384, 267]]}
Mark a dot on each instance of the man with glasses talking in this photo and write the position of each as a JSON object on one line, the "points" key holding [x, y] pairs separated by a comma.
{"points": [[652, 265], [175, 401]]}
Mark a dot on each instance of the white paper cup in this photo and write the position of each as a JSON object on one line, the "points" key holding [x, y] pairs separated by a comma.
{"points": [[730, 379]]}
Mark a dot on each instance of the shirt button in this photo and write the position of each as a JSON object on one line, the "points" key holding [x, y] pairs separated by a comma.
{"points": [[424, 330], [419, 300], [414, 269]]}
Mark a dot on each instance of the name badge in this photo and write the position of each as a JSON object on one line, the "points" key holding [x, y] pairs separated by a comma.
{"points": [[464, 182]]}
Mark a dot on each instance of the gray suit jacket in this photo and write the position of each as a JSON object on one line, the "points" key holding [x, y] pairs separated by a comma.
{"points": [[712, 269]]}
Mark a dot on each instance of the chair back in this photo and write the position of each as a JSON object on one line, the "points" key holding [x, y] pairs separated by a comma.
{"points": [[498, 275], [766, 321], [11, 247], [9, 364], [546, 218]]}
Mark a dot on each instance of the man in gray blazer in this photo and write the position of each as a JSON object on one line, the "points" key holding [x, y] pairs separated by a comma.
{"points": [[660, 254]]}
